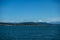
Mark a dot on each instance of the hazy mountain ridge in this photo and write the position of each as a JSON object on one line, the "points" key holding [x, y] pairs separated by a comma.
{"points": [[57, 22]]}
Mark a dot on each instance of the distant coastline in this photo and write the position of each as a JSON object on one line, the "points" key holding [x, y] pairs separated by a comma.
{"points": [[27, 24]]}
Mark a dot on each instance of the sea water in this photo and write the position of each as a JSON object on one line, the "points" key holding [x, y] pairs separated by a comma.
{"points": [[29, 33]]}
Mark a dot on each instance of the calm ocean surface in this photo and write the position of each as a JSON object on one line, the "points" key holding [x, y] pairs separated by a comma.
{"points": [[29, 33]]}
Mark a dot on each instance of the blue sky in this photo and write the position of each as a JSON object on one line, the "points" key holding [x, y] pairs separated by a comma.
{"points": [[29, 10]]}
